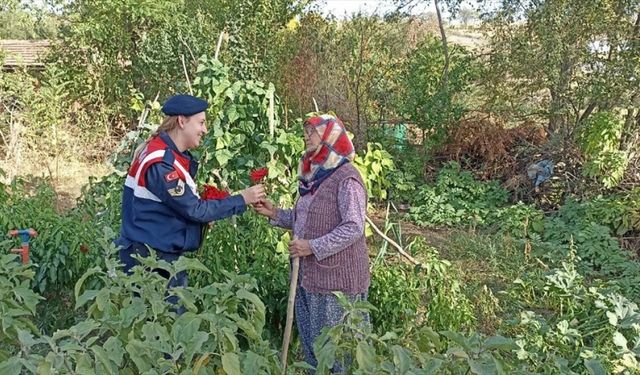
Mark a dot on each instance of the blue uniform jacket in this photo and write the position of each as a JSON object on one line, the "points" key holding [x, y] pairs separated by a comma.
{"points": [[160, 203]]}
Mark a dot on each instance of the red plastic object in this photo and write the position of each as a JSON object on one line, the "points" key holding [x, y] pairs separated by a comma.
{"points": [[25, 235]]}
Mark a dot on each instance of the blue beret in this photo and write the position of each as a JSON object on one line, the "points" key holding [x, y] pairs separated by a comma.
{"points": [[185, 105]]}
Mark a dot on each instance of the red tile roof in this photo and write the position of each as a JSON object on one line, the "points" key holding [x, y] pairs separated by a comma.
{"points": [[26, 53]]}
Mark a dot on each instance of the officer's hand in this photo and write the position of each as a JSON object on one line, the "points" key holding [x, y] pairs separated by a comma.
{"points": [[253, 194], [299, 248], [266, 208]]}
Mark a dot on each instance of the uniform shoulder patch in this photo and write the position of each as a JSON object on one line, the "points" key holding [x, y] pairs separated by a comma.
{"points": [[171, 176], [177, 191]]}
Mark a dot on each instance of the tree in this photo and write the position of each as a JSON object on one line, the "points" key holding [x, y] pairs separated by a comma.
{"points": [[564, 60], [349, 67], [112, 50], [427, 102], [21, 21]]}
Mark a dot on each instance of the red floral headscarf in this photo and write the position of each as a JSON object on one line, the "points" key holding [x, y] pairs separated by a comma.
{"points": [[334, 150]]}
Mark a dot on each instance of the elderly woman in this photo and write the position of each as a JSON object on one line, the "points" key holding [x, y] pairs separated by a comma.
{"points": [[328, 227]]}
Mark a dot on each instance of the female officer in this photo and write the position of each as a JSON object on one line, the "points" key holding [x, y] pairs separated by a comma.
{"points": [[161, 208]]}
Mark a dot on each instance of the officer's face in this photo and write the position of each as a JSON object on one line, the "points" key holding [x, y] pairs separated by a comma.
{"points": [[194, 129]]}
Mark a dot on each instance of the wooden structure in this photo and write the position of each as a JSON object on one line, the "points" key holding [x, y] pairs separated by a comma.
{"points": [[27, 54]]}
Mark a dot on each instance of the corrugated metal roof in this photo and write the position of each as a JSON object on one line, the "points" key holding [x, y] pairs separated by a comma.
{"points": [[27, 53]]}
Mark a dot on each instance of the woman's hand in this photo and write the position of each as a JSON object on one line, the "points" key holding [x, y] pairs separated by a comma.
{"points": [[266, 208], [299, 248], [253, 194]]}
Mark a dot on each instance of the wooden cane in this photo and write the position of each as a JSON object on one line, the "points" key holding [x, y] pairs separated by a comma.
{"points": [[290, 304]]}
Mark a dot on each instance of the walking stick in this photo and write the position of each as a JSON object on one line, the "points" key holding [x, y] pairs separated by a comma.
{"points": [[290, 304]]}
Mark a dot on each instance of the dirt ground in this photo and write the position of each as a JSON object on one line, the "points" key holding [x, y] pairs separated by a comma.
{"points": [[67, 176]]}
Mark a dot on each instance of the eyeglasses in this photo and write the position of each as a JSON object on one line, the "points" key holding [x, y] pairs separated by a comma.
{"points": [[309, 130]]}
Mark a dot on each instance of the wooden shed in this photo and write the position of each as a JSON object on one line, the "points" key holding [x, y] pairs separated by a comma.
{"points": [[28, 54]]}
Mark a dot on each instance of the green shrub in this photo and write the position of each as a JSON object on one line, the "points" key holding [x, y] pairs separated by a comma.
{"points": [[17, 302], [131, 328], [456, 199], [375, 166], [430, 293], [31, 203], [600, 139], [518, 220], [565, 316]]}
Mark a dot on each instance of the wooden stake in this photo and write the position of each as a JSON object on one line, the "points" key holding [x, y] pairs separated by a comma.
{"points": [[215, 56], [290, 304], [392, 242], [186, 74]]}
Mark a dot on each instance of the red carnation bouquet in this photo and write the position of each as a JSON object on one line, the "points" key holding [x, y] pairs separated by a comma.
{"points": [[258, 175], [212, 192]]}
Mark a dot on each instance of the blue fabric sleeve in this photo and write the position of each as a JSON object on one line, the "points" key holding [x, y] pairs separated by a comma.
{"points": [[184, 201]]}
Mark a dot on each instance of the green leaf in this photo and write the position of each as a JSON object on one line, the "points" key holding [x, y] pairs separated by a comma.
{"points": [[186, 330], [231, 364], [499, 342], [401, 359], [457, 338], [620, 340], [365, 356], [375, 167], [26, 338], [135, 310], [482, 368], [251, 297], [594, 367], [326, 356], [103, 358], [427, 338], [156, 336], [252, 363], [88, 295], [433, 366], [138, 353], [114, 348], [11, 366], [188, 264], [223, 157], [232, 114], [84, 328], [82, 279]]}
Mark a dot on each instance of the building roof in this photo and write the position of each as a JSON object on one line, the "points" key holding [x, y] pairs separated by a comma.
{"points": [[23, 53]]}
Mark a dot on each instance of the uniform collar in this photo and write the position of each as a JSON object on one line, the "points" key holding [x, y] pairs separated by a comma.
{"points": [[165, 137]]}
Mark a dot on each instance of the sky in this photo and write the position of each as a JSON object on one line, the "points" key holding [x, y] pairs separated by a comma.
{"points": [[340, 8]]}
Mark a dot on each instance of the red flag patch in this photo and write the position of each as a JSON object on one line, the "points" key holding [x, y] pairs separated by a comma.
{"points": [[171, 176]]}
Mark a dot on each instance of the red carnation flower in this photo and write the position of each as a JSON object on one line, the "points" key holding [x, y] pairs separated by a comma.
{"points": [[257, 175], [212, 192]]}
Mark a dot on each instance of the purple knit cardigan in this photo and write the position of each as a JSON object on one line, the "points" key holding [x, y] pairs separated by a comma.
{"points": [[347, 270]]}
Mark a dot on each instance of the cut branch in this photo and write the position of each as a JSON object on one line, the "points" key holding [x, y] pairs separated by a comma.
{"points": [[392, 242]]}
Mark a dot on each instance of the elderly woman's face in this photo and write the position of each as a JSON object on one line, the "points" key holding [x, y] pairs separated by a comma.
{"points": [[311, 138]]}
